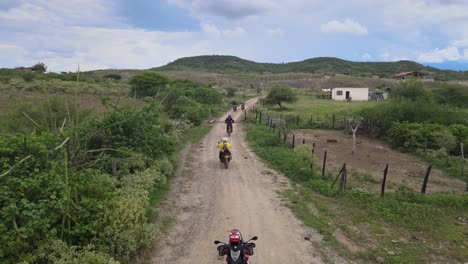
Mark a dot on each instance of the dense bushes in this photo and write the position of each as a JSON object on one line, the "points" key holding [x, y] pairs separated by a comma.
{"points": [[46, 194], [411, 102], [430, 136], [59, 202], [451, 94], [385, 114], [69, 87]]}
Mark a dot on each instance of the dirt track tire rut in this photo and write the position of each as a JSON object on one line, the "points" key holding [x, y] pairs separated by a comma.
{"points": [[211, 200]]}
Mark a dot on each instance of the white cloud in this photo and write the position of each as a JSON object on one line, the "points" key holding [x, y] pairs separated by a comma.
{"points": [[49, 13], [347, 26], [9, 49], [92, 33], [366, 56], [274, 31], [63, 39], [385, 56], [213, 29], [230, 9], [450, 53], [461, 43]]}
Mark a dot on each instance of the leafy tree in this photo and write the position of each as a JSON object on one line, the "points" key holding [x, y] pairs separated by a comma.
{"points": [[186, 108], [452, 94], [148, 83], [280, 94], [39, 67], [411, 89], [231, 91]]}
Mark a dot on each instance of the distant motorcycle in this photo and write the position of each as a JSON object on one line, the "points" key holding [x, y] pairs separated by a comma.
{"points": [[229, 129], [234, 107], [242, 106], [236, 251]]}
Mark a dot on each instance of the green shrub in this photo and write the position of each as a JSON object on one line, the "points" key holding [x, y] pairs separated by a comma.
{"points": [[452, 94], [124, 226], [402, 135], [58, 252], [148, 84], [28, 76]]}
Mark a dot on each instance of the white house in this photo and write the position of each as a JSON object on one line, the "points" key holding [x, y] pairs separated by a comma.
{"points": [[350, 93]]}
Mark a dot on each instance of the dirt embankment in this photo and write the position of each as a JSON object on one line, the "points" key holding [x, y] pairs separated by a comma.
{"points": [[371, 156]]}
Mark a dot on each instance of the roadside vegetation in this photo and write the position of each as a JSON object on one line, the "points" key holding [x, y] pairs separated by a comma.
{"points": [[82, 186], [404, 226]]}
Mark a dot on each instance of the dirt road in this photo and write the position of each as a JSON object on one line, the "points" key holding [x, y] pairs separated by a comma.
{"points": [[208, 200]]}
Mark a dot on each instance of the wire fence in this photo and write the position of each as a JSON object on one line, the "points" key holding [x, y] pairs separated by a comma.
{"points": [[284, 124]]}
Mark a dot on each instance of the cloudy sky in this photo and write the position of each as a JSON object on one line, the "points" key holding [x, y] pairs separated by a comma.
{"points": [[141, 34]]}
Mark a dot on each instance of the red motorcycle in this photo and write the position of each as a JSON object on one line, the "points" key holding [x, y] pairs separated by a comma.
{"points": [[236, 251]]}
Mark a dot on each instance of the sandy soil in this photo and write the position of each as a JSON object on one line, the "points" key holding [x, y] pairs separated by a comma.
{"points": [[208, 200], [372, 155]]}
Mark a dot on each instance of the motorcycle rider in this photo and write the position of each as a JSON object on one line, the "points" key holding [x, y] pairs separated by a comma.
{"points": [[229, 121], [223, 145]]}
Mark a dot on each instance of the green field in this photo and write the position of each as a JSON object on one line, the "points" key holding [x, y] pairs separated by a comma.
{"points": [[308, 105], [319, 111]]}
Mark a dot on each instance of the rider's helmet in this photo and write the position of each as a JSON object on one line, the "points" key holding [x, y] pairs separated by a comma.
{"points": [[229, 116], [225, 139], [235, 237]]}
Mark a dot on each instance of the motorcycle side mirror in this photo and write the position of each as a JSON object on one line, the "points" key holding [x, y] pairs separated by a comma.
{"points": [[217, 242], [254, 238]]}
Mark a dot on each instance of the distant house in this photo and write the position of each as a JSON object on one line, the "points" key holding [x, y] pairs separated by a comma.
{"points": [[413, 74], [350, 93]]}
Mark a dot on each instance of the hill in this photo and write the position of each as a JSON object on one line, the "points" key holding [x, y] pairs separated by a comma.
{"points": [[321, 65]]}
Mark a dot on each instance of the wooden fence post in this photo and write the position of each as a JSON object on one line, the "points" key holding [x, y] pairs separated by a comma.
{"points": [[303, 141], [260, 118], [293, 141], [338, 176], [297, 120], [324, 163], [426, 179], [384, 180], [343, 179], [333, 121], [313, 148]]}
